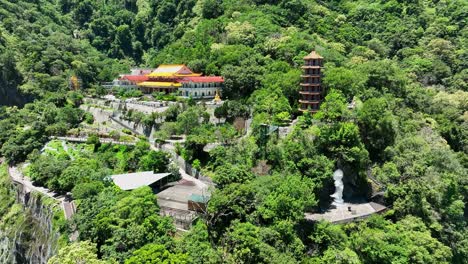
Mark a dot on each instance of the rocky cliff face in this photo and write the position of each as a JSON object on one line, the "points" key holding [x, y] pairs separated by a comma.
{"points": [[26, 231], [10, 97]]}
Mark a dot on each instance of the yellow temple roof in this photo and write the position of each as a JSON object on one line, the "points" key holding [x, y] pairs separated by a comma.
{"points": [[159, 84], [167, 74], [172, 70]]}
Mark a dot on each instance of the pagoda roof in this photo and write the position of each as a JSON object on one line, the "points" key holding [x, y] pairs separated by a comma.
{"points": [[135, 78], [160, 84], [203, 79], [172, 70], [313, 55]]}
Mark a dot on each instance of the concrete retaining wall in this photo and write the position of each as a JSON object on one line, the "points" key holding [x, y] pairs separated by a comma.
{"points": [[137, 129], [187, 167]]}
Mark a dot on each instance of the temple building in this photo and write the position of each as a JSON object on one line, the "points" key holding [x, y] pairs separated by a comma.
{"points": [[166, 79], [201, 86], [129, 81], [177, 78], [311, 93]]}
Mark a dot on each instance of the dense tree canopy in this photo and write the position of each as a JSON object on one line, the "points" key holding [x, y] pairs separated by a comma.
{"points": [[394, 115]]}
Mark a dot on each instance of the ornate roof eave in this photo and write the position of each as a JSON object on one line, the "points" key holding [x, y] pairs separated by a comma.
{"points": [[313, 55]]}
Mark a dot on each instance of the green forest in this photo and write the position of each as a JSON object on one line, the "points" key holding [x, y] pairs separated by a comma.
{"points": [[402, 64]]}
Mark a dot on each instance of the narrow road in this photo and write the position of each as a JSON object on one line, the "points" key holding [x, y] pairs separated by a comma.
{"points": [[169, 148], [68, 207], [18, 177], [102, 140]]}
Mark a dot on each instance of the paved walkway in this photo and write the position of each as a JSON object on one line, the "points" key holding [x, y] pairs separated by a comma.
{"points": [[68, 207], [170, 149], [102, 140], [18, 177], [347, 212]]}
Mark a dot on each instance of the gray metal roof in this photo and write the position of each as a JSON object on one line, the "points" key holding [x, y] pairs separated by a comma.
{"points": [[130, 181]]}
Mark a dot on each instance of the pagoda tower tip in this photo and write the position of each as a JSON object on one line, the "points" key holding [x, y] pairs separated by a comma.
{"points": [[313, 55]]}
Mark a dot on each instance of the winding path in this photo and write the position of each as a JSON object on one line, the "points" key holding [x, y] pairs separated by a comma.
{"points": [[102, 140], [18, 177], [170, 149], [68, 207]]}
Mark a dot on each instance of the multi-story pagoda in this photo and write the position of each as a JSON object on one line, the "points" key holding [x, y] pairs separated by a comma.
{"points": [[311, 93]]}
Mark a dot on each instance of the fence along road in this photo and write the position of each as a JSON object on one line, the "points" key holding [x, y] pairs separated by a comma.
{"points": [[68, 207], [102, 140]]}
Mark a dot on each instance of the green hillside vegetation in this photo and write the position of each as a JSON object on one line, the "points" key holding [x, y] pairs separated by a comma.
{"points": [[62, 172], [403, 63]]}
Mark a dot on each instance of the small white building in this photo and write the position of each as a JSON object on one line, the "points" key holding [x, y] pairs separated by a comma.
{"points": [[130, 181], [140, 71], [201, 87], [129, 81], [126, 82]]}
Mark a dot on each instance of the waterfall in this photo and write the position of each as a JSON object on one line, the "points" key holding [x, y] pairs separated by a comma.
{"points": [[27, 234]]}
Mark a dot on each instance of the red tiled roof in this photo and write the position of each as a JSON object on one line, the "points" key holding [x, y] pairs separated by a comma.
{"points": [[135, 78], [203, 79]]}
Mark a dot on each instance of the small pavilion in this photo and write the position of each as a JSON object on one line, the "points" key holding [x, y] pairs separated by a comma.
{"points": [[130, 181]]}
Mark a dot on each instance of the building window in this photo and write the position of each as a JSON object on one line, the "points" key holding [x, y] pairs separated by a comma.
{"points": [[195, 93]]}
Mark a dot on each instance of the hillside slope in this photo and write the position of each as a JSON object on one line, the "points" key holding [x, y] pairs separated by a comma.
{"points": [[402, 63]]}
